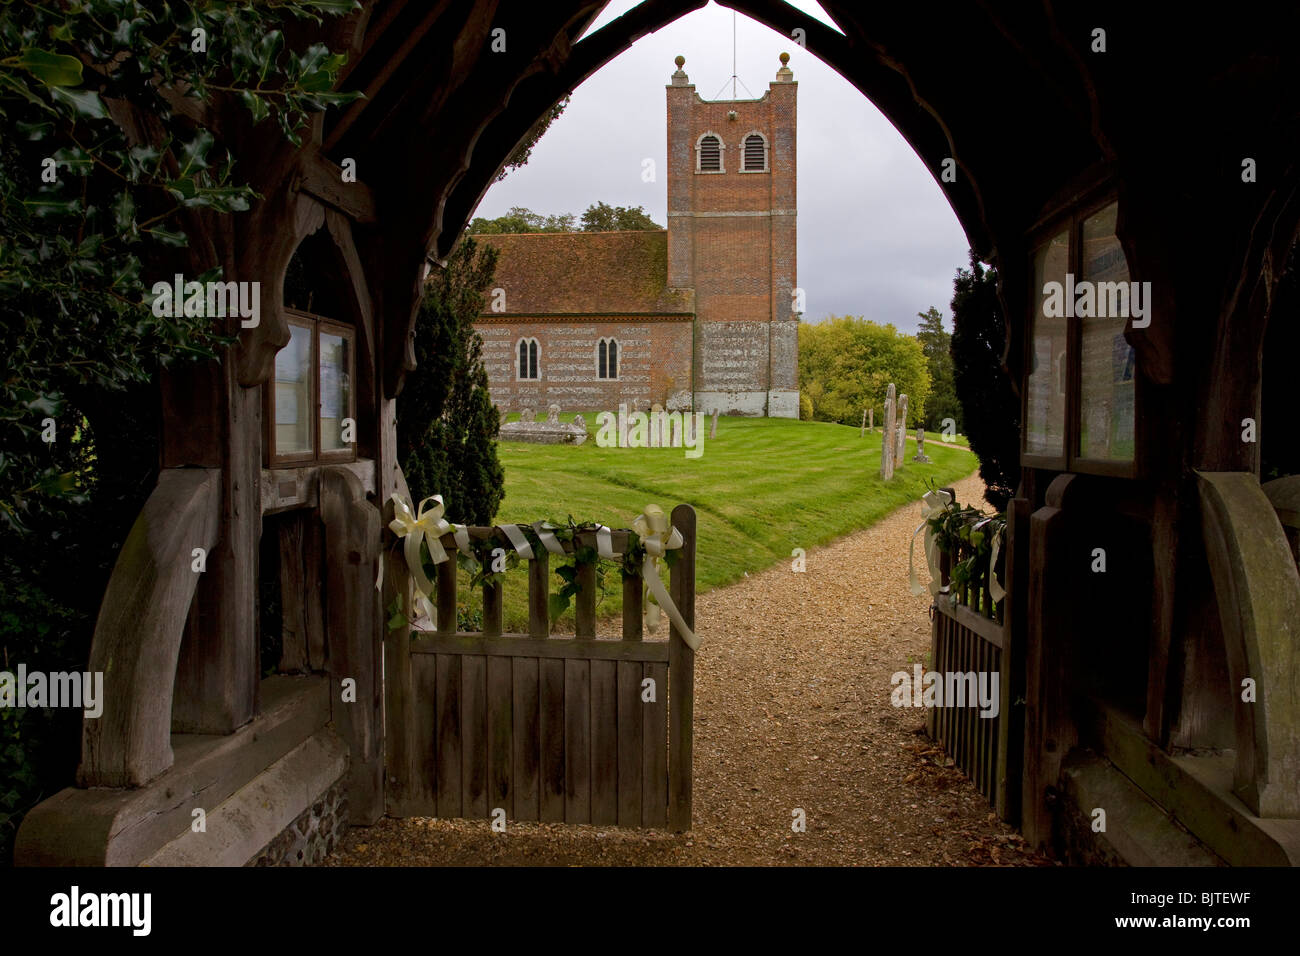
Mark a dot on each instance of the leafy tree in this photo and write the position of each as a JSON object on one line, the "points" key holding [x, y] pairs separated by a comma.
{"points": [[602, 217], [846, 364], [84, 213], [992, 419], [936, 342], [599, 217], [520, 219], [446, 423]]}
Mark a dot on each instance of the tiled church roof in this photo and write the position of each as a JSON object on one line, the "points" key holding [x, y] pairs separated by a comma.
{"points": [[585, 272]]}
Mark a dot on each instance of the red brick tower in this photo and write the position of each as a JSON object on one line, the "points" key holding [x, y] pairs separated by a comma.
{"points": [[731, 238]]}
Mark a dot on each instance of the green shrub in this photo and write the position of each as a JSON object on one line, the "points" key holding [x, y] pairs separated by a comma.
{"points": [[446, 423]]}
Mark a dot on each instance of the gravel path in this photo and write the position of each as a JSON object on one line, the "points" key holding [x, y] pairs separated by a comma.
{"points": [[792, 712]]}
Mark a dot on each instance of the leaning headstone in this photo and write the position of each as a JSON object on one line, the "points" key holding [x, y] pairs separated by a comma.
{"points": [[553, 415], [887, 437], [713, 429], [920, 455], [901, 450]]}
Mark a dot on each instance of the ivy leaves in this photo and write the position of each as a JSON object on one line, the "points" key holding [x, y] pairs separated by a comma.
{"points": [[83, 210], [966, 534]]}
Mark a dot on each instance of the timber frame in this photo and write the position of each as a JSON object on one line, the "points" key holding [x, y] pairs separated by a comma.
{"points": [[441, 115]]}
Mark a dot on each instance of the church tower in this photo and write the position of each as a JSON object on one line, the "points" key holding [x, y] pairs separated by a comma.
{"points": [[731, 238]]}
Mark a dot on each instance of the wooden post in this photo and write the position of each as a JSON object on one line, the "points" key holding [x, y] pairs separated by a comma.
{"points": [[681, 678], [351, 551], [217, 677], [1049, 730], [863, 430]]}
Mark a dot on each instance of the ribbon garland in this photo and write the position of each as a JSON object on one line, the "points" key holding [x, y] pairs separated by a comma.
{"points": [[659, 536], [426, 524], [933, 502]]}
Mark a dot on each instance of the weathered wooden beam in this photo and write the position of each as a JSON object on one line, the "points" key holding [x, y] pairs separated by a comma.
{"points": [[323, 178], [138, 633], [550, 648], [1258, 591]]}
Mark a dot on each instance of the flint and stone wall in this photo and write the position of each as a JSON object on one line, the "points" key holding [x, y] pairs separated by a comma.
{"points": [[654, 363]]}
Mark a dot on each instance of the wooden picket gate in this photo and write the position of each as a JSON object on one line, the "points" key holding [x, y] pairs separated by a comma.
{"points": [[548, 728], [971, 633]]}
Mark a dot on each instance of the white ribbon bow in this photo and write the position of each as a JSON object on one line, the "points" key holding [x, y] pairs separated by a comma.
{"points": [[659, 536], [933, 502]]}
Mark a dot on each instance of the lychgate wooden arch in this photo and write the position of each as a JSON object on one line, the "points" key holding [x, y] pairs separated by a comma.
{"points": [[1043, 109]]}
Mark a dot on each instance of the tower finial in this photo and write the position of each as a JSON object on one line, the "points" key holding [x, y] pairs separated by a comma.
{"points": [[680, 61], [785, 58]]}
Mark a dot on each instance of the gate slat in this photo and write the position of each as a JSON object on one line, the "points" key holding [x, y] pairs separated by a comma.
{"points": [[585, 610], [539, 585], [629, 743], [577, 741], [632, 610], [527, 742], [551, 691], [422, 789], [604, 742], [500, 701], [654, 772], [473, 735], [448, 704]]}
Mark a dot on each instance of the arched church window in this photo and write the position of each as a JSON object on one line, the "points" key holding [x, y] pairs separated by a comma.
{"points": [[709, 154], [755, 153], [607, 358], [529, 352]]}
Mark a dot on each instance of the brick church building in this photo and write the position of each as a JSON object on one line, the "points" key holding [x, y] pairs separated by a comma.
{"points": [[698, 316]]}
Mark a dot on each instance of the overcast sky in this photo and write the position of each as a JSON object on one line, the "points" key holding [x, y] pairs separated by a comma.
{"points": [[877, 238]]}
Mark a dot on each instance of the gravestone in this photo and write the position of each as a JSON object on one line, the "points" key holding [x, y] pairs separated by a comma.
{"points": [[901, 448], [887, 436], [920, 455], [526, 414], [553, 415], [713, 429]]}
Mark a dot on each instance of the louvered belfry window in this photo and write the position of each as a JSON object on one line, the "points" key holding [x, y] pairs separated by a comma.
{"points": [[710, 154], [755, 153]]}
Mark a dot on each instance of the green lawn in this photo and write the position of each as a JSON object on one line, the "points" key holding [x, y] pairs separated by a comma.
{"points": [[761, 488]]}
